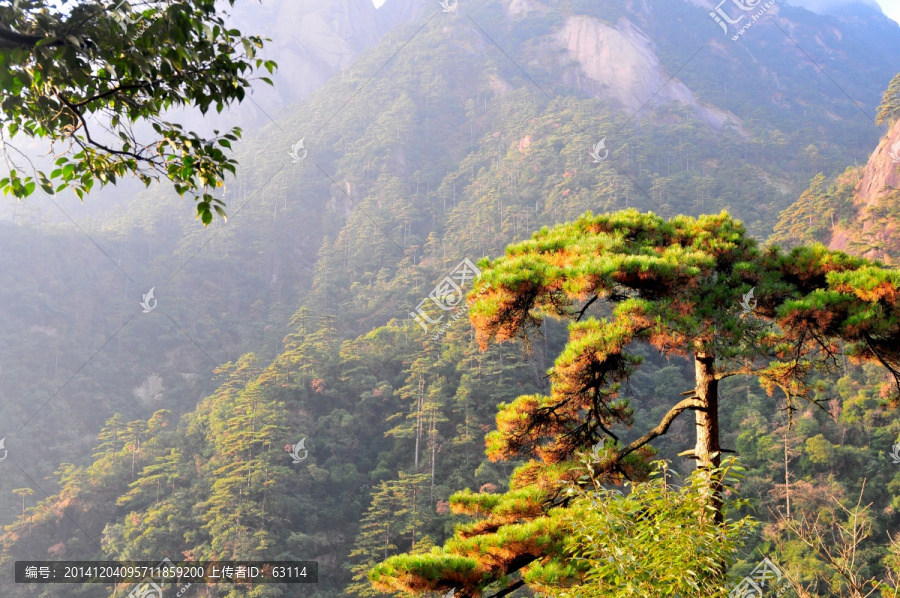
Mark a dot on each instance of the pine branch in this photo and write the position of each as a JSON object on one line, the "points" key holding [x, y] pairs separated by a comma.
{"points": [[663, 427], [509, 589]]}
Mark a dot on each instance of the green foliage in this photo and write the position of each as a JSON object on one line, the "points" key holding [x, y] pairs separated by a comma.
{"points": [[673, 285], [393, 518], [818, 211], [65, 64], [462, 157], [819, 450], [889, 110], [658, 539]]}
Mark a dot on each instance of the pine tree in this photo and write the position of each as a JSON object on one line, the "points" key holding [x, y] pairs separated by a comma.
{"points": [[111, 436], [889, 110], [394, 519], [23, 492], [417, 394], [156, 478], [682, 287]]}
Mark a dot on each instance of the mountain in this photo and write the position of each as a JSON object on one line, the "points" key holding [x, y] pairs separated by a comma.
{"points": [[439, 136], [856, 212], [873, 228], [314, 40]]}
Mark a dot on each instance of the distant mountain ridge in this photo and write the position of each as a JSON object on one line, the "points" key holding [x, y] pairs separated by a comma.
{"points": [[618, 54]]}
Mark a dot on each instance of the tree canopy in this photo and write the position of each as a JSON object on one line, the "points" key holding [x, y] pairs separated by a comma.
{"points": [[97, 82], [889, 110], [694, 287]]}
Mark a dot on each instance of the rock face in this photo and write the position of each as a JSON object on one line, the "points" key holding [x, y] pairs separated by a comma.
{"points": [[312, 40], [873, 196], [151, 390], [881, 170], [620, 65]]}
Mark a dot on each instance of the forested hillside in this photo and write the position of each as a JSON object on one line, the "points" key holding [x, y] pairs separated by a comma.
{"points": [[142, 434], [856, 210]]}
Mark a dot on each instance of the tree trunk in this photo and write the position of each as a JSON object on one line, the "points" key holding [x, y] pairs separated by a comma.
{"points": [[707, 449], [787, 477]]}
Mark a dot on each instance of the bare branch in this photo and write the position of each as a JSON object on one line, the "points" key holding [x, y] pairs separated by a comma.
{"points": [[13, 39], [509, 589], [586, 306], [97, 144], [663, 427]]}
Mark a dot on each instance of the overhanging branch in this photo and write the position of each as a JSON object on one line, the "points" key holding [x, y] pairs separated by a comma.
{"points": [[14, 39], [663, 427], [585, 308], [90, 141], [737, 372], [509, 589]]}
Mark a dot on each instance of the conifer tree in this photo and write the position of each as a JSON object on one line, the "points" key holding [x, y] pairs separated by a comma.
{"points": [[23, 492], [699, 288], [889, 110], [393, 520], [110, 436]]}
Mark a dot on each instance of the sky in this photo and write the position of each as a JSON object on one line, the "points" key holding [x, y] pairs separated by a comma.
{"points": [[890, 7]]}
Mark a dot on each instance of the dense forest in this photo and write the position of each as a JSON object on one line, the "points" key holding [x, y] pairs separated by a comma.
{"points": [[463, 143]]}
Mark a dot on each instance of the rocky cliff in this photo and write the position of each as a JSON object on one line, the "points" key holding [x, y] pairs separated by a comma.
{"points": [[874, 231]]}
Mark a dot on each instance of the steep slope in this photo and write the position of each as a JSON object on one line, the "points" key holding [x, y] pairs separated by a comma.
{"points": [[464, 154], [881, 172], [620, 65], [311, 41], [858, 212], [874, 229]]}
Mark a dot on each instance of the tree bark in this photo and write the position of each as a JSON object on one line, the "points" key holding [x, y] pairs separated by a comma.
{"points": [[14, 39], [707, 450]]}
